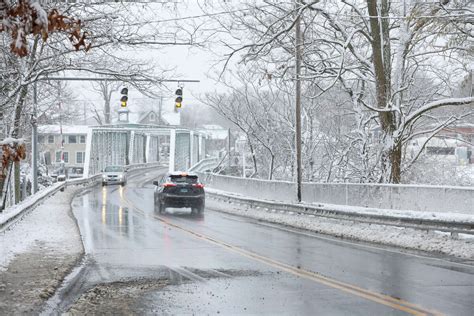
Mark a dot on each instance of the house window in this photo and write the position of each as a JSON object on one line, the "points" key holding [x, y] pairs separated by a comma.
{"points": [[82, 139], [65, 155], [51, 139], [72, 139], [80, 156], [440, 150], [41, 139], [152, 116]]}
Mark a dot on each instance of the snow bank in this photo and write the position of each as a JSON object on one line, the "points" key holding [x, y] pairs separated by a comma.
{"points": [[407, 238], [10, 214], [50, 224]]}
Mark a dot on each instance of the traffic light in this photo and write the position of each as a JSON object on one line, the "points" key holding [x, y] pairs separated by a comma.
{"points": [[124, 98], [179, 98]]}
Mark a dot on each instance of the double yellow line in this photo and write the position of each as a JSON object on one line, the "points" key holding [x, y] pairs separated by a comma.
{"points": [[386, 300]]}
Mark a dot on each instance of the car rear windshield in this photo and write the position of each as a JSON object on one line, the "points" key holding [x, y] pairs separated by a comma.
{"points": [[184, 179], [113, 169]]}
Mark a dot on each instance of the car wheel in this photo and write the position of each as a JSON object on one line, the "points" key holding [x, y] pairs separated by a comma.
{"points": [[161, 208], [104, 184], [201, 209]]}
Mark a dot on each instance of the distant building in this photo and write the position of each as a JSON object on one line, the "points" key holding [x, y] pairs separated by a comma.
{"points": [[73, 139], [217, 139], [448, 149], [459, 131], [153, 117], [153, 113]]}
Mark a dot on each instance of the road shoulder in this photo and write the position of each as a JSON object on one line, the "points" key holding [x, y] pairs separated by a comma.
{"points": [[402, 238], [37, 253]]}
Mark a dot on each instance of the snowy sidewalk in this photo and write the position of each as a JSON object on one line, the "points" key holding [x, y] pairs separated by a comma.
{"points": [[37, 253]]}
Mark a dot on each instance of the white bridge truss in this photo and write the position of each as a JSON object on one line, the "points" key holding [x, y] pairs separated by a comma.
{"points": [[128, 144]]}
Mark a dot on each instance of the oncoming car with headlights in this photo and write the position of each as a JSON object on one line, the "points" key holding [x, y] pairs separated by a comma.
{"points": [[114, 175]]}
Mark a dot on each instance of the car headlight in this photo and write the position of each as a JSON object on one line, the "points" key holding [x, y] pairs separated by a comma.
{"points": [[120, 176], [104, 176]]}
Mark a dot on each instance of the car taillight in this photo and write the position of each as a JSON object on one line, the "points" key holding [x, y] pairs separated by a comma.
{"points": [[167, 185], [198, 185]]}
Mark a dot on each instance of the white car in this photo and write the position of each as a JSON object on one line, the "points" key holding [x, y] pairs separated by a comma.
{"points": [[114, 175]]}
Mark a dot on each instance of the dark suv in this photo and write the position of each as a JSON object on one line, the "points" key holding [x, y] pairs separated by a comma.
{"points": [[179, 189]]}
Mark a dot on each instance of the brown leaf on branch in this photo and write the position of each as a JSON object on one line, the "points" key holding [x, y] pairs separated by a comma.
{"points": [[28, 18]]}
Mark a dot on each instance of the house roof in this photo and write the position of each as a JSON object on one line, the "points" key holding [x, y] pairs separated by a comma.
{"points": [[215, 131], [67, 129]]}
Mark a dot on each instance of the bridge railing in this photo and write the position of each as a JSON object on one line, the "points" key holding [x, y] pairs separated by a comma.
{"points": [[383, 196], [204, 165]]}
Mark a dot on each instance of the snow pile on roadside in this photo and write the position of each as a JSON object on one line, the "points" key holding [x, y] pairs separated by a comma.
{"points": [[375, 233], [48, 227], [10, 212], [451, 217]]}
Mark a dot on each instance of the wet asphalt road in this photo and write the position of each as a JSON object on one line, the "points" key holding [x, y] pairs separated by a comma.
{"points": [[224, 264]]}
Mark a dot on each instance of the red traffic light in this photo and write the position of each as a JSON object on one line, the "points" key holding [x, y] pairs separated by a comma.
{"points": [[179, 92], [124, 91]]}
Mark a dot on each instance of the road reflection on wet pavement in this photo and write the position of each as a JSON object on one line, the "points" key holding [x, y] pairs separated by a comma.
{"points": [[217, 263]]}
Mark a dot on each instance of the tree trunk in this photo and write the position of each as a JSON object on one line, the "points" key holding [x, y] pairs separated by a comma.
{"points": [[254, 158], [381, 60], [107, 111], [16, 134], [270, 168]]}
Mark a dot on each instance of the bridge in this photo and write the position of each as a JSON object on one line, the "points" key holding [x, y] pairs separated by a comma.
{"points": [[126, 144]]}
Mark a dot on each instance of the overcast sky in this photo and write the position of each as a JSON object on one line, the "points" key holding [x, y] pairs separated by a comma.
{"points": [[189, 63]]}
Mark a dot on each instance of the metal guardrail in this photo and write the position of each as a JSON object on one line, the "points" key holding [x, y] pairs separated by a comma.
{"points": [[451, 226], [24, 207], [423, 198]]}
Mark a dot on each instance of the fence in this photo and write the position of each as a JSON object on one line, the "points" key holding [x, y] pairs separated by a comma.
{"points": [[386, 196]]}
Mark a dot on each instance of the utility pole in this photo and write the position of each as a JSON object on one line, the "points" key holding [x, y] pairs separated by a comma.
{"points": [[228, 149], [298, 100], [160, 110], [243, 161], [34, 140]]}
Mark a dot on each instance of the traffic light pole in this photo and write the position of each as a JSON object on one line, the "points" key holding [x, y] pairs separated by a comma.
{"points": [[34, 141]]}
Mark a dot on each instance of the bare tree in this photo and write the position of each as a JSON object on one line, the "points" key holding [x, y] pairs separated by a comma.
{"points": [[377, 52], [105, 89]]}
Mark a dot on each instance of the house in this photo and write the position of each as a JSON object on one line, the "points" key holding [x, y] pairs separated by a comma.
{"points": [[448, 149], [217, 139], [153, 117], [73, 139], [150, 111]]}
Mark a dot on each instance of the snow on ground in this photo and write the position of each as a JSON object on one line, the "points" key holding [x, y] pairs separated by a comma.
{"points": [[346, 209], [49, 224], [381, 234], [36, 253]]}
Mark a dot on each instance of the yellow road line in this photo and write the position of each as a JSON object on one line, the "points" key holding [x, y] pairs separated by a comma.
{"points": [[383, 299]]}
